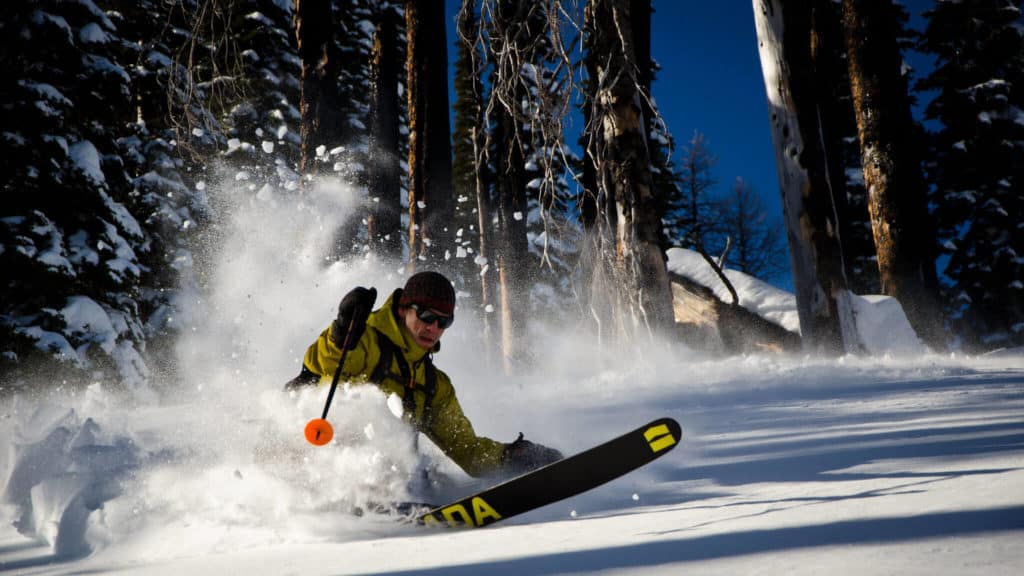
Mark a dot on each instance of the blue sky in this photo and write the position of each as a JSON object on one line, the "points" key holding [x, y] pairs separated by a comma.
{"points": [[710, 81]]}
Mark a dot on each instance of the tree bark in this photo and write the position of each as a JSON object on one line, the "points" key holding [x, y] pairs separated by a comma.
{"points": [[513, 250], [477, 184], [384, 170], [430, 162], [321, 121], [513, 37], [829, 70], [900, 223], [823, 302], [623, 165]]}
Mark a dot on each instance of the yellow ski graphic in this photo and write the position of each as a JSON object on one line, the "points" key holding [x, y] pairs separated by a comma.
{"points": [[659, 437]]}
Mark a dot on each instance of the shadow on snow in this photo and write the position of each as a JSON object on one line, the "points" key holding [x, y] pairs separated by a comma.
{"points": [[648, 554]]}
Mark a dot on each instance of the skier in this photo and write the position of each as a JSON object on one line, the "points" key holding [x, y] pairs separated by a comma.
{"points": [[396, 355]]}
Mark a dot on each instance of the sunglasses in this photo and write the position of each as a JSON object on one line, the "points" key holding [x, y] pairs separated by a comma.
{"points": [[428, 316]]}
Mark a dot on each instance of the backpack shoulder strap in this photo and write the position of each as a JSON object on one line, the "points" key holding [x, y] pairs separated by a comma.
{"points": [[431, 390], [387, 352], [380, 371]]}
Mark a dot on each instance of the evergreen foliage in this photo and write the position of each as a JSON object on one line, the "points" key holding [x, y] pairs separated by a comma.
{"points": [[977, 164], [265, 120], [71, 251], [691, 215]]}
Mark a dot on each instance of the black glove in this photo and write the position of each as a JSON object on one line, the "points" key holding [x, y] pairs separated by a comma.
{"points": [[522, 456], [353, 311]]}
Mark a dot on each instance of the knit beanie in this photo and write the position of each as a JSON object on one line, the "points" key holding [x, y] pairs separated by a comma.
{"points": [[429, 289]]}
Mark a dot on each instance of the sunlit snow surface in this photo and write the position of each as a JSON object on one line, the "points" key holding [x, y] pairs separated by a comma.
{"points": [[896, 464]]}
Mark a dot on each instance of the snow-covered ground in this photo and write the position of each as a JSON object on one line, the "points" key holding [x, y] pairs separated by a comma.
{"points": [[902, 463]]}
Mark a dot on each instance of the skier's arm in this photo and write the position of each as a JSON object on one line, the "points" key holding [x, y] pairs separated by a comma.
{"points": [[454, 434], [322, 357], [348, 330]]}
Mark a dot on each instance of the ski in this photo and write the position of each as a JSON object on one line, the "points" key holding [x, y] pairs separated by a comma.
{"points": [[559, 480]]}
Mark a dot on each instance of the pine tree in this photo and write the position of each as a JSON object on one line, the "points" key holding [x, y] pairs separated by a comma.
{"points": [[665, 177], [165, 145], [72, 252], [263, 123], [383, 166], [901, 224], [471, 176], [756, 242], [692, 214], [618, 144], [977, 164]]}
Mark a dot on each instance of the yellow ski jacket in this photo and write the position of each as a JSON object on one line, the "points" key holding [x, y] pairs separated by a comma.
{"points": [[444, 423]]}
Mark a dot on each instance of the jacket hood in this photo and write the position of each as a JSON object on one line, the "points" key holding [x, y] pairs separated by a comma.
{"points": [[385, 319]]}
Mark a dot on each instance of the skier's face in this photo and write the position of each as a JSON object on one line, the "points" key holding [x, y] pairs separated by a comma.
{"points": [[425, 333]]}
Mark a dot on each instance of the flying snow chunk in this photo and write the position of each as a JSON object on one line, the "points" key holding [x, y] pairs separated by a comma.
{"points": [[518, 216], [268, 147], [395, 405]]}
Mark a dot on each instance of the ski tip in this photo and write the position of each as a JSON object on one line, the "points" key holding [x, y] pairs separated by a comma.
{"points": [[662, 434], [674, 426]]}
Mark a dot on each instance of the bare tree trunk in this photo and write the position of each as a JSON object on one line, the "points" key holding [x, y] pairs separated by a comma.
{"points": [[904, 237], [594, 292], [623, 165], [829, 70], [513, 251], [319, 109], [823, 302], [514, 33], [640, 19], [430, 162], [384, 170], [469, 29], [484, 249]]}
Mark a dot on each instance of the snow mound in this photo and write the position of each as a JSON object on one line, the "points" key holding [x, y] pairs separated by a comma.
{"points": [[176, 480], [755, 295], [62, 468], [882, 325]]}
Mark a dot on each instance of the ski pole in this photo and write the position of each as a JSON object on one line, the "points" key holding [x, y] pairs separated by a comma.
{"points": [[318, 430]]}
